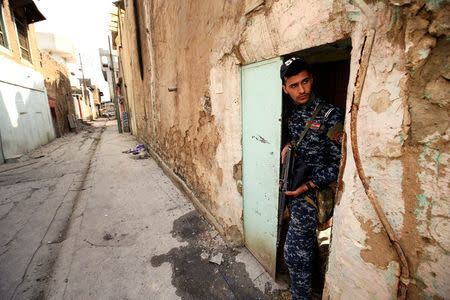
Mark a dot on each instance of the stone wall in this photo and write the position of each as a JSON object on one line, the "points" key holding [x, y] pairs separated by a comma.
{"points": [[198, 47]]}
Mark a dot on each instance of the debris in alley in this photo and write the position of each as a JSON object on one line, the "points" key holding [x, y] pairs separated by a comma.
{"points": [[139, 147], [217, 259], [140, 155], [204, 255], [137, 153], [107, 237]]}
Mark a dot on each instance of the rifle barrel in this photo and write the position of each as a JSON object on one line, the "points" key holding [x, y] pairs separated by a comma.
{"points": [[284, 186]]}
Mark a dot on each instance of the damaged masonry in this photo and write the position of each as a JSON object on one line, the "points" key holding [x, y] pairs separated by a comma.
{"points": [[182, 74]]}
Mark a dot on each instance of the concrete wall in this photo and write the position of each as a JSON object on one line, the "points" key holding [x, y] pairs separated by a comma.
{"points": [[58, 87], [402, 130], [25, 121]]}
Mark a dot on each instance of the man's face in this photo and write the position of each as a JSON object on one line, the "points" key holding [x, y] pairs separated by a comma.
{"points": [[299, 87]]}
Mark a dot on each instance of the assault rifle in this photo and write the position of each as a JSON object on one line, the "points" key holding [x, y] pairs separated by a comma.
{"points": [[284, 186]]}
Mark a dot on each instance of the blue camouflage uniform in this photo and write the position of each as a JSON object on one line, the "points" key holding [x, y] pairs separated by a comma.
{"points": [[321, 151]]}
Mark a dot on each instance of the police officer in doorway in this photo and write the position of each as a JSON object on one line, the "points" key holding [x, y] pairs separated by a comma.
{"points": [[320, 150]]}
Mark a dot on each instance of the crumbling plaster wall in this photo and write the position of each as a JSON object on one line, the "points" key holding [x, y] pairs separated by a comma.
{"points": [[197, 129], [57, 83], [426, 155], [198, 48], [403, 140], [182, 127]]}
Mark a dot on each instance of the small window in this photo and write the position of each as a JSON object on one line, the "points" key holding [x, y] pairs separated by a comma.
{"points": [[3, 39], [22, 33]]}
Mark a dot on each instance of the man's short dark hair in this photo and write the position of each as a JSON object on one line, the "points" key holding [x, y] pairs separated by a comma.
{"points": [[292, 67]]}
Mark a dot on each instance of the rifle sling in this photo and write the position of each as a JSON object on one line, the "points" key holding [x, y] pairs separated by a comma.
{"points": [[309, 124], [311, 201]]}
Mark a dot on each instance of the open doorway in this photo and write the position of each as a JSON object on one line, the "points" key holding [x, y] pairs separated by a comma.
{"points": [[330, 68]]}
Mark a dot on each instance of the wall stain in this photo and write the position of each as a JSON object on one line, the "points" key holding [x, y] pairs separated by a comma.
{"points": [[380, 101]]}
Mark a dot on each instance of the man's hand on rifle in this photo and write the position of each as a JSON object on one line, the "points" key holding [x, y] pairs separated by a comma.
{"points": [[300, 190]]}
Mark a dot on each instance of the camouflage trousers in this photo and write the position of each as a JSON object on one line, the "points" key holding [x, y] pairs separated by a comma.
{"points": [[301, 246]]}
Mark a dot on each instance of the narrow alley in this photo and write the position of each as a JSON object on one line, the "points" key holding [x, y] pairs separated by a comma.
{"points": [[91, 222]]}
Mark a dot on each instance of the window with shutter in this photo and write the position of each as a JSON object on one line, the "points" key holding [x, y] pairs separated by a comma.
{"points": [[3, 40], [22, 33]]}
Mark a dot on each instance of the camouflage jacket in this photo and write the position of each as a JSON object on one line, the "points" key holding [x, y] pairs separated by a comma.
{"points": [[320, 149]]}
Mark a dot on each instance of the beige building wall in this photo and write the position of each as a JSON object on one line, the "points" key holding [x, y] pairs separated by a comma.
{"points": [[199, 47]]}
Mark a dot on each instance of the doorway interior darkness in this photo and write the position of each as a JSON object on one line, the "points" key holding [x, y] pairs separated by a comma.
{"points": [[330, 67]]}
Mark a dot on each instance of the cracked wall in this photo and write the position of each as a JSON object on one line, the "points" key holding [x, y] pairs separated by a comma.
{"points": [[199, 49]]}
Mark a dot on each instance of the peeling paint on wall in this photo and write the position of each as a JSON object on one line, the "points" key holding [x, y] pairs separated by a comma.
{"points": [[416, 174]]}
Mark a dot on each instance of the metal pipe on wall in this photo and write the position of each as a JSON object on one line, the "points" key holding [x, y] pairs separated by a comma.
{"points": [[360, 78]]}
